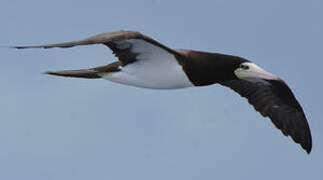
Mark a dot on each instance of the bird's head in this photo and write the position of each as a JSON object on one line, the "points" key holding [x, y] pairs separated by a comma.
{"points": [[251, 71]]}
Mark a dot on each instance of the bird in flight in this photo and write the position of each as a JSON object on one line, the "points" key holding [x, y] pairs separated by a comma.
{"points": [[144, 62]]}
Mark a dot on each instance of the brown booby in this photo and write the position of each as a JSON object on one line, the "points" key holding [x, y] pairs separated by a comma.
{"points": [[144, 62]]}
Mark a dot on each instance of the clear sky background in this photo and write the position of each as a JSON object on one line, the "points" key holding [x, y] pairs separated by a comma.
{"points": [[61, 128]]}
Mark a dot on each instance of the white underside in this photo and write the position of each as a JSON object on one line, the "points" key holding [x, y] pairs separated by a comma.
{"points": [[155, 68]]}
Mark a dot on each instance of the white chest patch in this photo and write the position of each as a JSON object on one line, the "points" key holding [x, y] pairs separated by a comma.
{"points": [[154, 68]]}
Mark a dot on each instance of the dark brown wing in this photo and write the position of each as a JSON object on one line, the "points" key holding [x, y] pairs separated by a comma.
{"points": [[96, 39], [274, 99], [126, 45]]}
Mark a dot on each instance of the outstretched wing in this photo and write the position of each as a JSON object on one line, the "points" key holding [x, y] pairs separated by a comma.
{"points": [[274, 99], [128, 46]]}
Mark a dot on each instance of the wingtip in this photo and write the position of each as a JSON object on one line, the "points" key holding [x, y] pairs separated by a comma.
{"points": [[10, 47], [308, 148], [305, 144], [15, 47], [308, 151], [28, 47], [18, 47]]}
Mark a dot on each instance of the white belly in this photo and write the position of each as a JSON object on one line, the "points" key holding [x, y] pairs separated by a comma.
{"points": [[163, 73], [154, 67]]}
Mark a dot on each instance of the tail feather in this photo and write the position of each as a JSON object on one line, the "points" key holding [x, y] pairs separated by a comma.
{"points": [[92, 73], [82, 73]]}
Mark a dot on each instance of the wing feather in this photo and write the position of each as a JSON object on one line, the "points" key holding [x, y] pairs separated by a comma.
{"points": [[122, 43], [275, 100], [96, 39]]}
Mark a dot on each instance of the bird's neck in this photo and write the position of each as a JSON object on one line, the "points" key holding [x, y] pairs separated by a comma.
{"points": [[204, 68]]}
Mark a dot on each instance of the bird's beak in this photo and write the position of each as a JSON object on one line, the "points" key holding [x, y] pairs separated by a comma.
{"points": [[254, 72]]}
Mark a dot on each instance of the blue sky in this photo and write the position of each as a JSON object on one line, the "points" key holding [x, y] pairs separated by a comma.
{"points": [[60, 128]]}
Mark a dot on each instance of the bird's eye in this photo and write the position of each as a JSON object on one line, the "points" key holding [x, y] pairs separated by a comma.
{"points": [[244, 67]]}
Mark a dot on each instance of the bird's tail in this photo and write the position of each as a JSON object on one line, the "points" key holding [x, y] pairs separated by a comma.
{"points": [[81, 73], [92, 73]]}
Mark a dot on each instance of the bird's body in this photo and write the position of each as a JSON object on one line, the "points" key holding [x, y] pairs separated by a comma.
{"points": [[156, 69], [144, 62]]}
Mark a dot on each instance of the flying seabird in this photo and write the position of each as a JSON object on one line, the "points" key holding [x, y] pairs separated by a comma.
{"points": [[144, 62]]}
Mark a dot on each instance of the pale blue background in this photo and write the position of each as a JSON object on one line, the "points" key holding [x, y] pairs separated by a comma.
{"points": [[57, 128]]}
